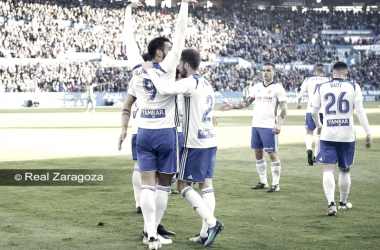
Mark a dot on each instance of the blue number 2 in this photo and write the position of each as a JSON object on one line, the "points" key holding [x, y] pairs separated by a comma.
{"points": [[205, 118], [343, 104], [150, 88]]}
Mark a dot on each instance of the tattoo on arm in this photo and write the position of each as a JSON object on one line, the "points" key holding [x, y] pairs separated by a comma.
{"points": [[283, 109], [126, 112], [244, 103]]}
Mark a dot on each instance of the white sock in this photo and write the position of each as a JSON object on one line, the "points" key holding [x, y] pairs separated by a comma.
{"points": [[161, 198], [276, 172], [209, 198], [136, 182], [199, 205], [261, 166], [309, 141], [173, 182], [329, 185], [317, 145], [148, 208], [344, 184]]}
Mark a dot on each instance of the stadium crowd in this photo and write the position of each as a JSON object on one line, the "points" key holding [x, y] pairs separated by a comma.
{"points": [[38, 29]]}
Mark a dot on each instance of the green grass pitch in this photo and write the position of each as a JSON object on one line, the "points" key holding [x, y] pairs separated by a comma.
{"points": [[67, 217]]}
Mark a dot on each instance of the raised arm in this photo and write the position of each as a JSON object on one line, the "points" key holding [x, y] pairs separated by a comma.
{"points": [[125, 116], [133, 52], [172, 59]]}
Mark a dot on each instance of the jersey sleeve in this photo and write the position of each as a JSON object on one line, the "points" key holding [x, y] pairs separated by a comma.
{"points": [[133, 52], [303, 88], [281, 95], [172, 59], [252, 91], [317, 98], [358, 93], [131, 90], [182, 86]]}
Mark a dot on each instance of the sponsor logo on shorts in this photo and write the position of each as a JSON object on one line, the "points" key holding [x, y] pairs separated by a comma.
{"points": [[338, 122], [205, 134], [152, 113]]}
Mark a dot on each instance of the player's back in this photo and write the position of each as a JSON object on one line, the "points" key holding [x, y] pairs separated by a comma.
{"points": [[157, 111], [198, 108], [337, 105], [311, 84]]}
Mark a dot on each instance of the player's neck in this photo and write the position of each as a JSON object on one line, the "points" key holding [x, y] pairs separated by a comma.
{"points": [[266, 83]]}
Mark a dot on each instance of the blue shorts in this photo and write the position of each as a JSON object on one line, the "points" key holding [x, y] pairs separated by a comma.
{"points": [[180, 140], [157, 150], [196, 164], [332, 152], [309, 122], [134, 151], [264, 138]]}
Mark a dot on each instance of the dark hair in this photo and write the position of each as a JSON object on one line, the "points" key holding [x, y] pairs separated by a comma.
{"points": [[340, 66], [320, 68], [192, 57], [270, 64], [146, 57], [155, 44]]}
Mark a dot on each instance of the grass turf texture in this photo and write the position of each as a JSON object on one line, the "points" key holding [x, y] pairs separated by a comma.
{"points": [[68, 217]]}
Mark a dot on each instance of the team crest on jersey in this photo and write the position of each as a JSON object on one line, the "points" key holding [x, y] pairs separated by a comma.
{"points": [[269, 91], [205, 134]]}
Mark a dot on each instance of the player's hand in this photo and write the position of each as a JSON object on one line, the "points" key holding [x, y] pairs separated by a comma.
{"points": [[147, 65], [136, 5], [368, 141], [121, 139], [214, 120], [225, 107], [277, 129], [192, 2], [299, 107]]}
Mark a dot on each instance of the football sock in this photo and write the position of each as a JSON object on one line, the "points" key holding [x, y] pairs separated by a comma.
{"points": [[344, 184], [173, 182], [148, 207], [199, 205], [329, 185], [136, 182], [161, 198], [276, 171], [261, 166], [309, 141], [317, 145], [209, 198]]}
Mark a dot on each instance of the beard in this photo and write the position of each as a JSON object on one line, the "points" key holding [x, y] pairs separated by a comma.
{"points": [[183, 73]]}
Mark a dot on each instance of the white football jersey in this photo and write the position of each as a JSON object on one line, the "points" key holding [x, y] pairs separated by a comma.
{"points": [[309, 85], [198, 106], [156, 111], [336, 99], [135, 112], [267, 99]]}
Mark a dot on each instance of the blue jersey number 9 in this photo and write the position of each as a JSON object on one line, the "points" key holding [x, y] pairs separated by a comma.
{"points": [[343, 104], [150, 88]]}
